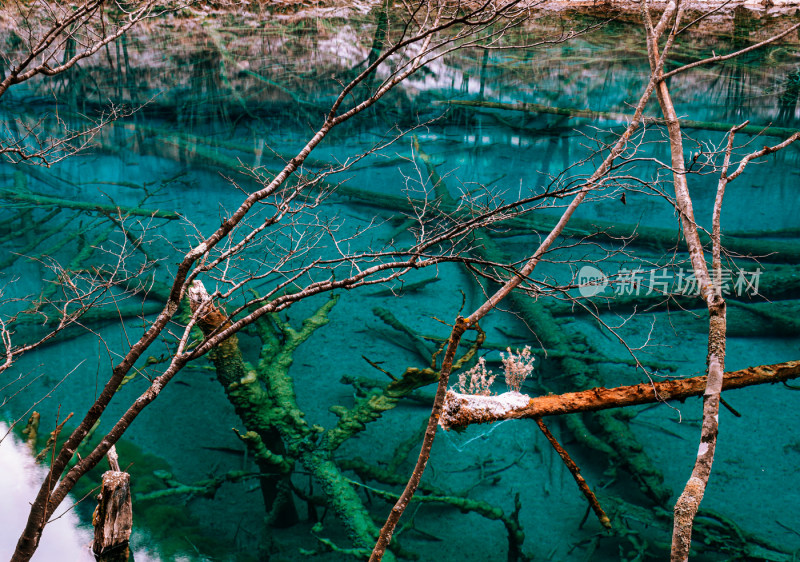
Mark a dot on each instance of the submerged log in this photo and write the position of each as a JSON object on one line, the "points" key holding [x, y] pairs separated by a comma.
{"points": [[527, 107], [45, 201], [774, 283], [784, 251], [759, 320], [29, 327], [259, 151], [780, 251]]}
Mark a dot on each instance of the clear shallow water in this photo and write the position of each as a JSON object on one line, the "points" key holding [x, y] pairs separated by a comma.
{"points": [[225, 96]]}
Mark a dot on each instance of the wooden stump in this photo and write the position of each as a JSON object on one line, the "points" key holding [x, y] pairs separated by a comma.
{"points": [[113, 518]]}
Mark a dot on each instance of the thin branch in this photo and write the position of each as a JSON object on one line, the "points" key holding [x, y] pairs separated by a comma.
{"points": [[576, 474], [721, 58]]}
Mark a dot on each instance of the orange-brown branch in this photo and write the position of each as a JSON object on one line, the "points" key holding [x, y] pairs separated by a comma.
{"points": [[462, 410]]}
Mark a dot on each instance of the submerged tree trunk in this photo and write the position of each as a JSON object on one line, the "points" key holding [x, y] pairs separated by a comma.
{"points": [[252, 407]]}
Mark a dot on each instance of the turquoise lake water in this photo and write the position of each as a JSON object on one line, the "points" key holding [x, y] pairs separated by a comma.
{"points": [[215, 100]]}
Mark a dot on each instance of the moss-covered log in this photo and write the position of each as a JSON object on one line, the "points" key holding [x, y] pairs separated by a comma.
{"points": [[46, 201], [265, 400], [253, 405]]}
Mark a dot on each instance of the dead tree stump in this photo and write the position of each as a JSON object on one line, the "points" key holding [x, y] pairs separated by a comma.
{"points": [[113, 518]]}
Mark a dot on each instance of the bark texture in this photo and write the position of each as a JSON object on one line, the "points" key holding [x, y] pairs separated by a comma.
{"points": [[113, 518], [462, 410]]}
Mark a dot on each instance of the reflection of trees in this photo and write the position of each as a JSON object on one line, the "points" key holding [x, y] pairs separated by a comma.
{"points": [[787, 101], [205, 98]]}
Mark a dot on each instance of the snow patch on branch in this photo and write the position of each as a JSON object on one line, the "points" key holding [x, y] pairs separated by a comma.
{"points": [[461, 410]]}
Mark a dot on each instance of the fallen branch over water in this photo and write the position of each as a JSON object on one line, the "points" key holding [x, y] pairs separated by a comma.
{"points": [[461, 410]]}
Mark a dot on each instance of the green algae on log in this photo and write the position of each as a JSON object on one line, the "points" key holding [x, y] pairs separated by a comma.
{"points": [[45, 201], [264, 399], [252, 404]]}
